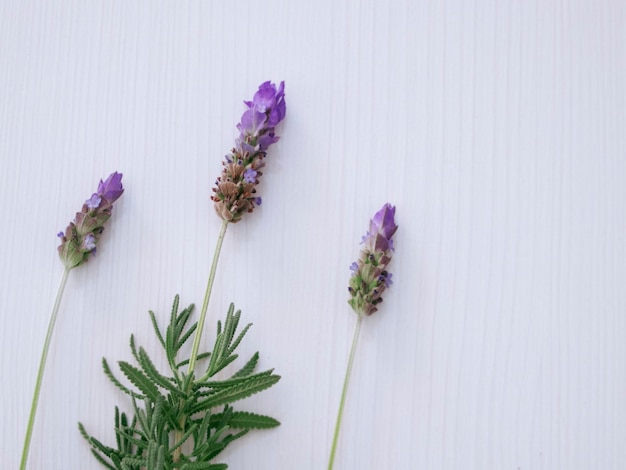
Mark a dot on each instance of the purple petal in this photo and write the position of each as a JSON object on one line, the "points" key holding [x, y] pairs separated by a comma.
{"points": [[252, 122], [89, 243], [94, 201], [265, 98], [249, 176], [111, 189], [383, 221], [266, 140]]}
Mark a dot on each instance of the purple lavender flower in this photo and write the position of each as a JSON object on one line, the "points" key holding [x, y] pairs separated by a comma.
{"points": [[93, 202], [249, 176], [370, 277], [112, 188], [234, 192], [82, 234], [109, 190]]}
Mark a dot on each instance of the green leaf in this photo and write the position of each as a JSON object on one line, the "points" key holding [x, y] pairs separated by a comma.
{"points": [[186, 361], [219, 384], [117, 383], [152, 373], [204, 466], [181, 341], [245, 389], [246, 420], [249, 367], [157, 331], [142, 382]]}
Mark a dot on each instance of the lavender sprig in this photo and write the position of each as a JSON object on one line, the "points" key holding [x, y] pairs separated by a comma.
{"points": [[77, 243], [187, 418], [235, 189], [82, 234], [370, 277], [369, 280]]}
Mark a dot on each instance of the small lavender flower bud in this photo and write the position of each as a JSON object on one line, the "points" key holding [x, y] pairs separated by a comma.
{"points": [[82, 234], [370, 277], [234, 192]]}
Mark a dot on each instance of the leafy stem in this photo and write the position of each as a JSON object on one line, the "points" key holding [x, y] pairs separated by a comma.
{"points": [[183, 424], [42, 367], [196, 340], [344, 391]]}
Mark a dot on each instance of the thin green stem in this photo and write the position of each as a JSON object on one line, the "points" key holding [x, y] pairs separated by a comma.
{"points": [[196, 340], [42, 367], [344, 391], [205, 303]]}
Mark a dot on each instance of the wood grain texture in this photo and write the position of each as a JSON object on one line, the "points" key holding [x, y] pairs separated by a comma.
{"points": [[496, 128]]}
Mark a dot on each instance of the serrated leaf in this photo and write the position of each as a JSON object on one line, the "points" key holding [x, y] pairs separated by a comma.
{"points": [[232, 394], [220, 384], [151, 371], [234, 345], [246, 420], [186, 361], [204, 466], [117, 383], [155, 326], [248, 368], [138, 379]]}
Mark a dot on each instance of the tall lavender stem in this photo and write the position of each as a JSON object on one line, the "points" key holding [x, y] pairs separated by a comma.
{"points": [[42, 367], [78, 243], [235, 192], [369, 280], [344, 391], [207, 296]]}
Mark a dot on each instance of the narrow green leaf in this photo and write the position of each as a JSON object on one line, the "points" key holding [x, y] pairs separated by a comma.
{"points": [[151, 371], [181, 341], [100, 459], [133, 463], [229, 395], [204, 466], [138, 379], [226, 383], [186, 361], [239, 338], [248, 368], [157, 331], [133, 349], [117, 383], [246, 420]]}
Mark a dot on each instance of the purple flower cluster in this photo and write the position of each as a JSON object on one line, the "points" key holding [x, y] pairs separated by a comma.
{"points": [[234, 191], [370, 277], [82, 234]]}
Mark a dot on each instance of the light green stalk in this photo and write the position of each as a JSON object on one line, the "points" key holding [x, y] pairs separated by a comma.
{"points": [[42, 367], [207, 296], [196, 340], [344, 391]]}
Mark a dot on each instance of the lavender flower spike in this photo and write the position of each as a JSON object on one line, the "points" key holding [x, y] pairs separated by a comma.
{"points": [[234, 192], [370, 277], [82, 234]]}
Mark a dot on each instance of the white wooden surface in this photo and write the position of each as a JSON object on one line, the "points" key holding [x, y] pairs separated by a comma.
{"points": [[496, 127]]}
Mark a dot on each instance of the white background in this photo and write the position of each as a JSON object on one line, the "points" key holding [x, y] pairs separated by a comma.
{"points": [[497, 128]]}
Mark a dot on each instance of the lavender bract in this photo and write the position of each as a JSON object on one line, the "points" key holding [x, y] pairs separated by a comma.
{"points": [[234, 192], [82, 234], [370, 277]]}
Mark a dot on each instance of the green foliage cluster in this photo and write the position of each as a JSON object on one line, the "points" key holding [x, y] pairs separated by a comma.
{"points": [[184, 422]]}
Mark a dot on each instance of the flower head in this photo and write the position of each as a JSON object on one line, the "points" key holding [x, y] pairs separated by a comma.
{"points": [[111, 189], [370, 277], [234, 192], [82, 234]]}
